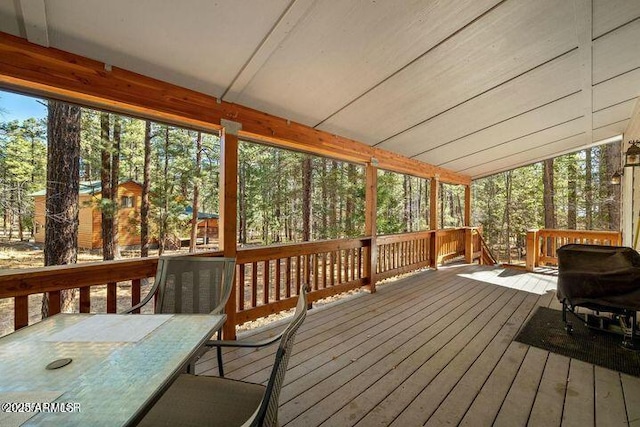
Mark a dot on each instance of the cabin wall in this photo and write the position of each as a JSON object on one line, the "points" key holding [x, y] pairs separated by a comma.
{"points": [[128, 217], [38, 219], [87, 204]]}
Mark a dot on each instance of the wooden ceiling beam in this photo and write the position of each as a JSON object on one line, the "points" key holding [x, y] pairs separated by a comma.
{"points": [[52, 73]]}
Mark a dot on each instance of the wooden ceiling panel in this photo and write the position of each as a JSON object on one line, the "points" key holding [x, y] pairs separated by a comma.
{"points": [[613, 114], [518, 146], [610, 130], [515, 37], [201, 46], [9, 21], [528, 156], [341, 49], [611, 14], [537, 88], [616, 90], [617, 52], [550, 116]]}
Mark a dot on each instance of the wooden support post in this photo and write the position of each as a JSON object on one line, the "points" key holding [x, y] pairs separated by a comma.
{"points": [[228, 217], [468, 245], [370, 228], [467, 206], [434, 208], [532, 249]]}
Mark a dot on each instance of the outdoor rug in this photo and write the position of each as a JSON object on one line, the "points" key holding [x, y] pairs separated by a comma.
{"points": [[545, 330]]}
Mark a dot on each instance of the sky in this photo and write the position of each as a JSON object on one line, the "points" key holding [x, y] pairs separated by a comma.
{"points": [[20, 107]]}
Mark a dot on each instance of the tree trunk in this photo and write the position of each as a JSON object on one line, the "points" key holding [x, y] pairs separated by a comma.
{"points": [[507, 215], [196, 196], [115, 179], [63, 176], [146, 186], [306, 198], [242, 201], [163, 232], [106, 202], [407, 203], [350, 203], [548, 199], [572, 192], [333, 201], [613, 191], [588, 190]]}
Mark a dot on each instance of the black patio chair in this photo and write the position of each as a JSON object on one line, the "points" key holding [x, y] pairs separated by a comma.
{"points": [[198, 400], [192, 285]]}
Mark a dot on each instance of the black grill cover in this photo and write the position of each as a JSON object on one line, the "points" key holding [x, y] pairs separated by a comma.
{"points": [[599, 277]]}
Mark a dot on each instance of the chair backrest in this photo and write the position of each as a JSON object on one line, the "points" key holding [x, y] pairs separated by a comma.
{"points": [[267, 414], [189, 284]]}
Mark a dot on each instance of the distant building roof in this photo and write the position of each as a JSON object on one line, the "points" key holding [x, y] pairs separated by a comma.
{"points": [[87, 187], [201, 215]]}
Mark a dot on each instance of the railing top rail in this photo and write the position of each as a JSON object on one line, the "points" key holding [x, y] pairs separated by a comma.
{"points": [[560, 232], [285, 250], [20, 282], [401, 237]]}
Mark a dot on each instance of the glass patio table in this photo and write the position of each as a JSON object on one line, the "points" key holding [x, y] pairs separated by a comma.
{"points": [[120, 365]]}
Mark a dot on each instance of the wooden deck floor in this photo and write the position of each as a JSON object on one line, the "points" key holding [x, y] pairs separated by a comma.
{"points": [[434, 349]]}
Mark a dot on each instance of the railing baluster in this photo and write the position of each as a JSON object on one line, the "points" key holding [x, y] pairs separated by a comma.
{"points": [[85, 299], [324, 270], [278, 279], [135, 294], [21, 312], [288, 277], [241, 286], [54, 302], [266, 266], [298, 275], [254, 284], [111, 297]]}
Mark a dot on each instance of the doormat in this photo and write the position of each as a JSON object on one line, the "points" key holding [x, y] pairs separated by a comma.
{"points": [[546, 330]]}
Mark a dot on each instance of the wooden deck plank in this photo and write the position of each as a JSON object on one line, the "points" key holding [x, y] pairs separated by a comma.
{"points": [[427, 402], [549, 402], [356, 347], [328, 321], [578, 403], [386, 357], [487, 404], [610, 407], [343, 337], [631, 389], [453, 408], [437, 347], [517, 405]]}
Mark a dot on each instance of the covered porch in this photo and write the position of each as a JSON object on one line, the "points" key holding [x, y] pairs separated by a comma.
{"points": [[471, 89], [437, 348]]}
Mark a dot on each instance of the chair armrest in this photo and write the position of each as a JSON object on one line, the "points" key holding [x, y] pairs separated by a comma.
{"points": [[246, 344], [140, 304]]}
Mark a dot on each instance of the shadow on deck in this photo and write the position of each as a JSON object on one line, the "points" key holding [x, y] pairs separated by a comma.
{"points": [[437, 348]]}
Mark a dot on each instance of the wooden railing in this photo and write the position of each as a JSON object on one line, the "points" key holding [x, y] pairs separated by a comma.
{"points": [[268, 278], [401, 253], [542, 245]]}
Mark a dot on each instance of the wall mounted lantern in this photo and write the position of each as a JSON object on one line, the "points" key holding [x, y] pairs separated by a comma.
{"points": [[632, 157], [616, 177]]}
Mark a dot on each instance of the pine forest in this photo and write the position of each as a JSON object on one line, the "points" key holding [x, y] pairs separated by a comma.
{"points": [[286, 196]]}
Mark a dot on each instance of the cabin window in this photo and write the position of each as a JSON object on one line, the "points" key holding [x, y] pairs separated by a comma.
{"points": [[127, 201]]}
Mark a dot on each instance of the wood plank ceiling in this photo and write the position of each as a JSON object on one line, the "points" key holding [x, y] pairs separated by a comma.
{"points": [[475, 86]]}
